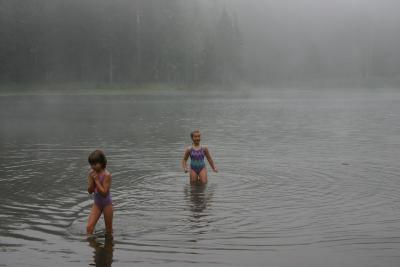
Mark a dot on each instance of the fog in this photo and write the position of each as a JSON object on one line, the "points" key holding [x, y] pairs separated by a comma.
{"points": [[298, 102], [354, 43], [312, 43]]}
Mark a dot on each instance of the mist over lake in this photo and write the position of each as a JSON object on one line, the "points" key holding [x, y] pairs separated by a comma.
{"points": [[298, 102]]}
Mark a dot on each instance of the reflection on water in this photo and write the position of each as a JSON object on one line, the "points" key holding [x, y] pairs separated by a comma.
{"points": [[103, 251], [199, 197]]}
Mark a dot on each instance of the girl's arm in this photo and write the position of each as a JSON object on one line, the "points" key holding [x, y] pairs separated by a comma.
{"points": [[104, 188], [210, 160], [91, 185], [185, 158]]}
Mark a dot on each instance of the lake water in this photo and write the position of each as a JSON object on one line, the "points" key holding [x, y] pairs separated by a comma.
{"points": [[306, 178]]}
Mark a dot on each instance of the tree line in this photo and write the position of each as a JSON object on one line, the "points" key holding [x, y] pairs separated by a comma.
{"points": [[120, 41]]}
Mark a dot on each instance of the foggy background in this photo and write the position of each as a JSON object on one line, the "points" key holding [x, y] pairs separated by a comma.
{"points": [[306, 176], [312, 43], [321, 42]]}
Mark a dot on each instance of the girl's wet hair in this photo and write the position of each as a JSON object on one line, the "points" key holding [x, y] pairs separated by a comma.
{"points": [[194, 132], [97, 156]]}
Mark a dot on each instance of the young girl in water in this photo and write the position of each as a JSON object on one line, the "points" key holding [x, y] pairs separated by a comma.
{"points": [[196, 152], [99, 183]]}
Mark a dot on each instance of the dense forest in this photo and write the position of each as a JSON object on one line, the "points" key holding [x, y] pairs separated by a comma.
{"points": [[120, 41]]}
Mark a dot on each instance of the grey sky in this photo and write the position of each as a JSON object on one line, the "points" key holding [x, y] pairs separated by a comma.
{"points": [[344, 37]]}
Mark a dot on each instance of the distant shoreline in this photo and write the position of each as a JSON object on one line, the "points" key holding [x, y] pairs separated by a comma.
{"points": [[10, 89], [77, 88]]}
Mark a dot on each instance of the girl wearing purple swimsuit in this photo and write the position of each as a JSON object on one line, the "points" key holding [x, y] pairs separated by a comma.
{"points": [[99, 183], [196, 152]]}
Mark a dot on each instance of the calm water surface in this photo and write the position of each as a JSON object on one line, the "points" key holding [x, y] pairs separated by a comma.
{"points": [[306, 178]]}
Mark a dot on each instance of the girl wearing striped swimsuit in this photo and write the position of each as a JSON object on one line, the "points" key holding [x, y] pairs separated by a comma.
{"points": [[197, 153]]}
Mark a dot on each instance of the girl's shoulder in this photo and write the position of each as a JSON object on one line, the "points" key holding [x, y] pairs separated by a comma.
{"points": [[107, 174]]}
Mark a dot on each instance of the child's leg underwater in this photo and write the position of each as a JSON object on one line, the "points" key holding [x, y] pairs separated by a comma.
{"points": [[94, 216]]}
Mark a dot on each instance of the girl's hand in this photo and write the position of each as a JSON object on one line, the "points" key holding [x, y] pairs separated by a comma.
{"points": [[215, 169], [94, 176], [185, 170]]}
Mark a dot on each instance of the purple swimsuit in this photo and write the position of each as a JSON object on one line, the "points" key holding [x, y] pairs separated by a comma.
{"points": [[197, 160], [99, 200]]}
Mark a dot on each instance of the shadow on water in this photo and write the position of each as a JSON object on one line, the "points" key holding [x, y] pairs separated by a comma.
{"points": [[103, 252]]}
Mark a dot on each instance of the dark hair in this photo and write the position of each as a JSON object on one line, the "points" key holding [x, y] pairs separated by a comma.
{"points": [[97, 156], [192, 133]]}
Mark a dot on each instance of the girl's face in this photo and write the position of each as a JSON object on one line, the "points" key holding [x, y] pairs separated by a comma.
{"points": [[96, 167], [196, 138]]}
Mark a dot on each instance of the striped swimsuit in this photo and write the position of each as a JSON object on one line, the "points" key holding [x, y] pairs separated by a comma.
{"points": [[99, 200], [197, 160]]}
